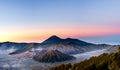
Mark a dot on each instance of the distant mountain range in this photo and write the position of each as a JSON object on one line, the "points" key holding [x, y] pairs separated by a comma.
{"points": [[53, 49], [67, 46], [8, 45]]}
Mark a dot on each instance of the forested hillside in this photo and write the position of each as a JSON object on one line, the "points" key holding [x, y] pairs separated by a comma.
{"points": [[103, 62]]}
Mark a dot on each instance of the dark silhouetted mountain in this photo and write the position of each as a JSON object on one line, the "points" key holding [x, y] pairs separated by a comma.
{"points": [[52, 39], [56, 40], [69, 45], [51, 56], [8, 45]]}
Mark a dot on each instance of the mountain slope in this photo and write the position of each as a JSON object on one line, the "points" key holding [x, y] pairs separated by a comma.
{"points": [[103, 62], [52, 56], [23, 49]]}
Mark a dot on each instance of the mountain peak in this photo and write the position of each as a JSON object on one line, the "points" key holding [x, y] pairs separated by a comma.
{"points": [[52, 39]]}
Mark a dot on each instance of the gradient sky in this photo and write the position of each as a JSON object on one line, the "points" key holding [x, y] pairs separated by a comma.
{"points": [[35, 20]]}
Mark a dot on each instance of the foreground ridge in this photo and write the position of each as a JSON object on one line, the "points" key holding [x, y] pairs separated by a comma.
{"points": [[103, 62]]}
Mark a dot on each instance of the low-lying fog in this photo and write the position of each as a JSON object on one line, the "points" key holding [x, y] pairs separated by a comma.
{"points": [[26, 63], [89, 54]]}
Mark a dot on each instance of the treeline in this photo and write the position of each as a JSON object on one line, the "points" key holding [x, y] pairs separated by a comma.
{"points": [[102, 62]]}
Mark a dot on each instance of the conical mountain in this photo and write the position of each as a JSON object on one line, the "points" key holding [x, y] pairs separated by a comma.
{"points": [[52, 39], [53, 56]]}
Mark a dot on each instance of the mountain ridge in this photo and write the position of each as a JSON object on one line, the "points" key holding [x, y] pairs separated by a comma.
{"points": [[67, 45]]}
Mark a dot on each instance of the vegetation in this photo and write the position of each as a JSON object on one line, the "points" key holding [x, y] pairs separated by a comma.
{"points": [[103, 62]]}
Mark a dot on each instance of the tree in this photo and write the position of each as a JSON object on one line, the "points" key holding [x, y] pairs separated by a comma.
{"points": [[102, 66], [91, 67]]}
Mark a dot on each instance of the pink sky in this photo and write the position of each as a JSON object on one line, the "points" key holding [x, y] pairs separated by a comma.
{"points": [[35, 33]]}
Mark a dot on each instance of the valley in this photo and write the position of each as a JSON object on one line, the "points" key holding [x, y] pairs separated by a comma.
{"points": [[26, 63]]}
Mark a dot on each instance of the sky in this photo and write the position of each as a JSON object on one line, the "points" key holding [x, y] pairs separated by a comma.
{"points": [[36, 20]]}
